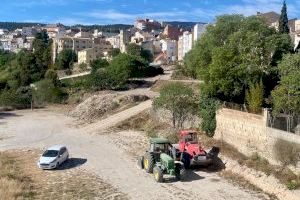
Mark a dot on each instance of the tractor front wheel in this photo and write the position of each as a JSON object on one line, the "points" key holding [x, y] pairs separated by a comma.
{"points": [[180, 171], [158, 174], [148, 162]]}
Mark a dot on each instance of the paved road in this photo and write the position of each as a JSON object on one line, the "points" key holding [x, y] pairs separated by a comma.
{"points": [[42, 128], [74, 75]]}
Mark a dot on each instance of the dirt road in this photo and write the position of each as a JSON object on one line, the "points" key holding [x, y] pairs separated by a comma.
{"points": [[111, 156]]}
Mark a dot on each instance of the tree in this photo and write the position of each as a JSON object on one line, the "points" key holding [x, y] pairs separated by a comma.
{"points": [[114, 52], [234, 53], [286, 96], [207, 112], [42, 51], [128, 64], [179, 99], [98, 63], [139, 52], [255, 97], [283, 20], [66, 59], [133, 49]]}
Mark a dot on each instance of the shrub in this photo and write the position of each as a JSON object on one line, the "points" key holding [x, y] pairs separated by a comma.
{"points": [[255, 97], [207, 112], [288, 153], [19, 99], [179, 99], [47, 92]]}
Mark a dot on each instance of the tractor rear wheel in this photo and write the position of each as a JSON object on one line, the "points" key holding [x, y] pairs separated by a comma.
{"points": [[148, 162], [180, 171], [140, 162], [158, 174]]}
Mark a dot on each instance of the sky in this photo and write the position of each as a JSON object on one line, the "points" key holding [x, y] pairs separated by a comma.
{"points": [[71, 12]]}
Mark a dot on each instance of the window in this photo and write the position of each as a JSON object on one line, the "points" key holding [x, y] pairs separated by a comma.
{"points": [[62, 151]]}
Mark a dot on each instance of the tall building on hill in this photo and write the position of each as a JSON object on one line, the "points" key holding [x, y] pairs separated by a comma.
{"points": [[172, 32], [199, 29]]}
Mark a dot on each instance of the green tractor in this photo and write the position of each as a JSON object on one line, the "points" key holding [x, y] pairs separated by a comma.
{"points": [[162, 158]]}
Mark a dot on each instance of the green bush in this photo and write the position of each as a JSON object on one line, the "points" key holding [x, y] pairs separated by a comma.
{"points": [[207, 112], [255, 97], [179, 99], [16, 99], [46, 92]]}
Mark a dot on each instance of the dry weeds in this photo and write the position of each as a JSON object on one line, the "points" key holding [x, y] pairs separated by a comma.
{"points": [[283, 174], [68, 182]]}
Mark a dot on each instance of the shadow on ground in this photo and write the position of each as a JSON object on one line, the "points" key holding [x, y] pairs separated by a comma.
{"points": [[72, 163], [190, 176], [218, 165], [4, 115]]}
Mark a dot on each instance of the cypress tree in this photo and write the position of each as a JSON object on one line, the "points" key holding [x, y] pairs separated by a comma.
{"points": [[283, 20]]}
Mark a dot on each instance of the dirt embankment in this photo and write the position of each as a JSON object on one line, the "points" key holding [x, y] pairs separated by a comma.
{"points": [[99, 106]]}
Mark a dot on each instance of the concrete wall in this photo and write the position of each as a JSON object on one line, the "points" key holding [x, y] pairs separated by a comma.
{"points": [[249, 133]]}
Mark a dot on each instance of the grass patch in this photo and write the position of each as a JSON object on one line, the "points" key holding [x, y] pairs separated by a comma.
{"points": [[14, 184], [288, 153]]}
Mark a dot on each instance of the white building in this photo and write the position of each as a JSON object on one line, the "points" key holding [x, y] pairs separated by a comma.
{"points": [[3, 31], [185, 44], [169, 47], [199, 29]]}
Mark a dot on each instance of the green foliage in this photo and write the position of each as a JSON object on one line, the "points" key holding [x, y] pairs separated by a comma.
{"points": [[115, 52], [179, 99], [46, 92], [133, 49], [98, 63], [283, 20], [83, 66], [255, 97], [286, 96], [19, 99], [136, 51], [235, 52], [66, 59], [207, 112]]}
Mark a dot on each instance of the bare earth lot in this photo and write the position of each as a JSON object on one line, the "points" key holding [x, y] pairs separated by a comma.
{"points": [[109, 156]]}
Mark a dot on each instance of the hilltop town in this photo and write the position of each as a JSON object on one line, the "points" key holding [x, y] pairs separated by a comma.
{"points": [[151, 110]]}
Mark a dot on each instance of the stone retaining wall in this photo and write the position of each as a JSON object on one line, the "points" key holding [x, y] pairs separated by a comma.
{"points": [[249, 133]]}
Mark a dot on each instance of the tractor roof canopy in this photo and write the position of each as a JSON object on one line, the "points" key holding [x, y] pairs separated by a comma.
{"points": [[159, 141], [187, 132]]}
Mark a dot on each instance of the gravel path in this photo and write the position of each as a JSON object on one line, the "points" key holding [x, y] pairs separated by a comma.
{"points": [[110, 155]]}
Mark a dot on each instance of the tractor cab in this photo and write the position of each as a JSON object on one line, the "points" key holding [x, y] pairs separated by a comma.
{"points": [[159, 145], [188, 141], [161, 158]]}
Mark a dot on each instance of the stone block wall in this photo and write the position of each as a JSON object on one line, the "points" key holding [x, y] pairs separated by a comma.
{"points": [[249, 133]]}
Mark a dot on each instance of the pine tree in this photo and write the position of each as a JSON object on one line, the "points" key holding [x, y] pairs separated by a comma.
{"points": [[283, 20]]}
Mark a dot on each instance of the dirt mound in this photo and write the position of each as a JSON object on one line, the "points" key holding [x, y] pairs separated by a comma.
{"points": [[99, 106]]}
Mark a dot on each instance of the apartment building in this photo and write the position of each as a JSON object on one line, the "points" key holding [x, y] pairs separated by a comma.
{"points": [[169, 48], [55, 30], [185, 44], [96, 52], [171, 32], [76, 44], [198, 30], [147, 24], [28, 31]]}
